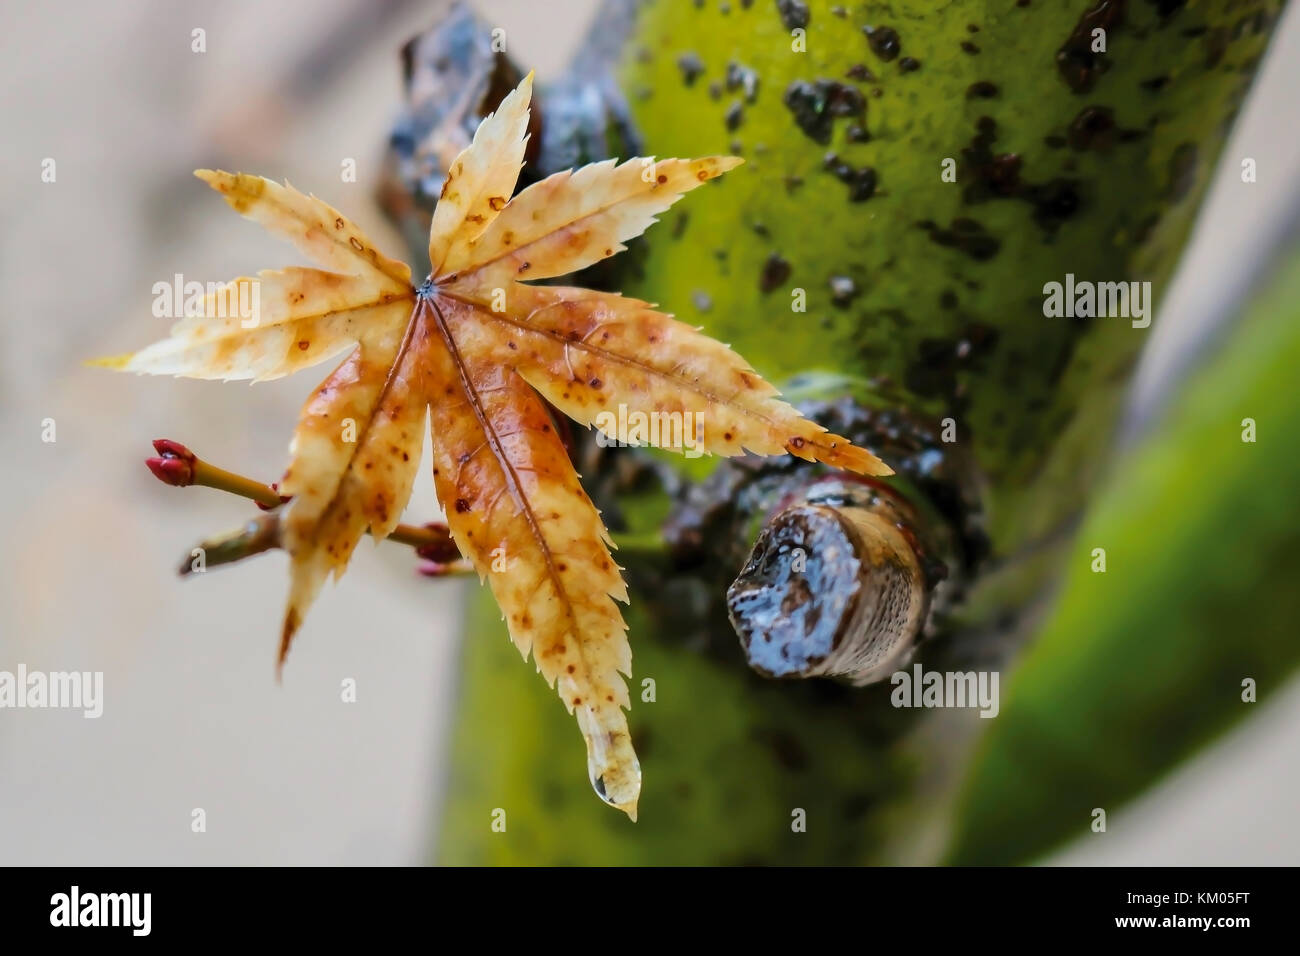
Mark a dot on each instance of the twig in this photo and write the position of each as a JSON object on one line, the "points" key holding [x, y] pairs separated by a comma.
{"points": [[180, 467]]}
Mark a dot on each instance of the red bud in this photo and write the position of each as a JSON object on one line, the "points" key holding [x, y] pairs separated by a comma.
{"points": [[172, 471], [173, 449], [440, 552]]}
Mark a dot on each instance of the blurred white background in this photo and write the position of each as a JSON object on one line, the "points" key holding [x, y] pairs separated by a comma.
{"points": [[193, 716]]}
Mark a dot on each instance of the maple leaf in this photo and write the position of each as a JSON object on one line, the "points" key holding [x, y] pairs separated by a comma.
{"points": [[475, 350]]}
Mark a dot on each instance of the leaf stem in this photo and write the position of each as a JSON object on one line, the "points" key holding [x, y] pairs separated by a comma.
{"points": [[210, 476], [181, 467]]}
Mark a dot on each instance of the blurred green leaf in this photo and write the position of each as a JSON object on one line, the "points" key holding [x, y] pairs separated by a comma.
{"points": [[1143, 664]]}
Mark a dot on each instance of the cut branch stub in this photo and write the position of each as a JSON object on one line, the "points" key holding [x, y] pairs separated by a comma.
{"points": [[835, 587]]}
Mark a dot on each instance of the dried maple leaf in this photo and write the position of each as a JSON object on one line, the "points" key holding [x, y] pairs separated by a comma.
{"points": [[475, 349]]}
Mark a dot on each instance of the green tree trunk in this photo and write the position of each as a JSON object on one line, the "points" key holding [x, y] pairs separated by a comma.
{"points": [[924, 294]]}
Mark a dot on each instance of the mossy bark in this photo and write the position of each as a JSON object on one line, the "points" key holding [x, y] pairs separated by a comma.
{"points": [[921, 294]]}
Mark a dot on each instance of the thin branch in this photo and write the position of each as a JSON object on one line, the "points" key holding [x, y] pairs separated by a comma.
{"points": [[178, 466], [257, 535]]}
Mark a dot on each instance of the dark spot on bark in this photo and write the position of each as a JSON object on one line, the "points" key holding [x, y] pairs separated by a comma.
{"points": [[691, 66], [742, 78], [816, 105], [775, 271], [990, 176], [1054, 201], [1076, 62], [861, 182], [965, 235], [909, 64], [462, 505], [734, 116], [1095, 128], [794, 13], [884, 42], [939, 361], [859, 71], [981, 90], [968, 47], [1165, 9]]}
